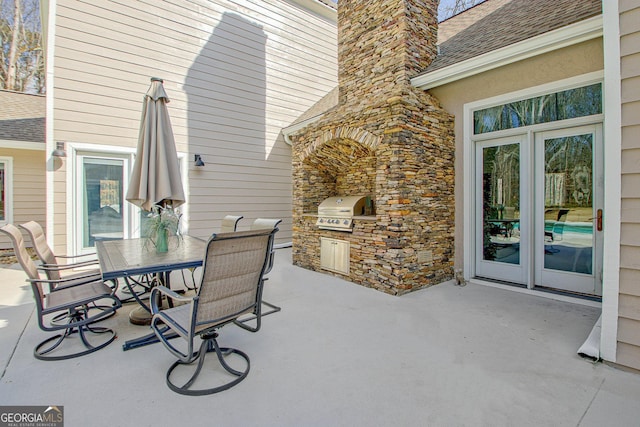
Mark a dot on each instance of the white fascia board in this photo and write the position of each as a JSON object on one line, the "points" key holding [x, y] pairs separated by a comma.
{"points": [[290, 130], [320, 8], [553, 40], [21, 145]]}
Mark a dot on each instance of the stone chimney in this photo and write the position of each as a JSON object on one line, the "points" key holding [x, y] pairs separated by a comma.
{"points": [[382, 44], [386, 140]]}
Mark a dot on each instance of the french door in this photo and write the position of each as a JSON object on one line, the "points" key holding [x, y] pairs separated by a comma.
{"points": [[539, 209], [502, 237]]}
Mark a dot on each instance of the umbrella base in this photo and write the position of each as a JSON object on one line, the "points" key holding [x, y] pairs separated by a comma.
{"points": [[140, 316]]}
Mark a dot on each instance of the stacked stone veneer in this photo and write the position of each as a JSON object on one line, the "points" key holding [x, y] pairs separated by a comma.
{"points": [[385, 139]]}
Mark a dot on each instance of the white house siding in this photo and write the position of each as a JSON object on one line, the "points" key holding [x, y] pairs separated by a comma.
{"points": [[28, 182], [236, 72], [628, 349]]}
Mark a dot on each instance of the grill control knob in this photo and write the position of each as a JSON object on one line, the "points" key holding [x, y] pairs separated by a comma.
{"points": [[346, 222]]}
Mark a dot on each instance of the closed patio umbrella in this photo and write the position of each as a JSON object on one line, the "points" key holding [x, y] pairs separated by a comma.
{"points": [[155, 179]]}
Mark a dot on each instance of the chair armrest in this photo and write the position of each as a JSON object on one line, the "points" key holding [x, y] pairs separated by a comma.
{"points": [[75, 256], [155, 294], [61, 267], [68, 282]]}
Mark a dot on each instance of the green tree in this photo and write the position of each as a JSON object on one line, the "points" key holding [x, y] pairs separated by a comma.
{"points": [[21, 56]]}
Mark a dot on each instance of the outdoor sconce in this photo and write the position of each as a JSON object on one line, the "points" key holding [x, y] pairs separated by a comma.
{"points": [[198, 160], [59, 151]]}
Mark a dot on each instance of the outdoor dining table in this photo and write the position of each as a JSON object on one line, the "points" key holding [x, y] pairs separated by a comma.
{"points": [[135, 257]]}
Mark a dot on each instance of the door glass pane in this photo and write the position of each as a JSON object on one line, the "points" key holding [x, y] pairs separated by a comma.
{"points": [[501, 203], [102, 200], [568, 207]]}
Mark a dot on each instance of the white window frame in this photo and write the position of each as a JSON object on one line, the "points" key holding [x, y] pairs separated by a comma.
{"points": [[8, 190]]}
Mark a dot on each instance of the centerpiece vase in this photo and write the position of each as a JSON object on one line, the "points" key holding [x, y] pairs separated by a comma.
{"points": [[162, 241]]}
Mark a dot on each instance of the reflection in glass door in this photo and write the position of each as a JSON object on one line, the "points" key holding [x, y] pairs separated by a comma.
{"points": [[102, 211], [569, 210], [500, 233]]}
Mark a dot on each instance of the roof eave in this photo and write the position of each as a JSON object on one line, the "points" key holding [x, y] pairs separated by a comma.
{"points": [[320, 8], [21, 145], [579, 32], [290, 130]]}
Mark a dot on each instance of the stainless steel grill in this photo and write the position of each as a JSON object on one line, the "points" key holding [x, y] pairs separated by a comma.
{"points": [[336, 213]]}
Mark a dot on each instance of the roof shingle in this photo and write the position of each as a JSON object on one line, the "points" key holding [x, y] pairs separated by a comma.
{"points": [[495, 24], [22, 116]]}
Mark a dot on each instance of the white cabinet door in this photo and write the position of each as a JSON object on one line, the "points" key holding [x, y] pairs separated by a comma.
{"points": [[334, 255]]}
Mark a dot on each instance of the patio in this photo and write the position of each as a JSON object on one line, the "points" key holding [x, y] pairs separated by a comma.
{"points": [[340, 354]]}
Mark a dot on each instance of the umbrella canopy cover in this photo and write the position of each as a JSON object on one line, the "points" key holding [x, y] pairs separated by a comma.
{"points": [[155, 178]]}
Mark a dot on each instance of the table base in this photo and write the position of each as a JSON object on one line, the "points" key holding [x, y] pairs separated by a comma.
{"points": [[140, 316]]}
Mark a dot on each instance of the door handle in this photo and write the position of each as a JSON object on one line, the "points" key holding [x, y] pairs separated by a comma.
{"points": [[598, 219]]}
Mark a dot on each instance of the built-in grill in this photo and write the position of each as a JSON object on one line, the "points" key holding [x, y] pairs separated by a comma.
{"points": [[336, 213]]}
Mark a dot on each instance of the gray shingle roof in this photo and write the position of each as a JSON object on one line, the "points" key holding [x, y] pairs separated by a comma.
{"points": [[486, 27], [499, 23], [22, 116]]}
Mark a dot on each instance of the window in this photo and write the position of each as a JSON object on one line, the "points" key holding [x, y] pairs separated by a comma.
{"points": [[6, 190], [567, 104]]}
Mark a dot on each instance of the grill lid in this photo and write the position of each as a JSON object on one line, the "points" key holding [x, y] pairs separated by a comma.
{"points": [[344, 206], [335, 213]]}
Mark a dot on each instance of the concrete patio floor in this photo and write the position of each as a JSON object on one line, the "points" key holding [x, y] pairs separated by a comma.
{"points": [[342, 355]]}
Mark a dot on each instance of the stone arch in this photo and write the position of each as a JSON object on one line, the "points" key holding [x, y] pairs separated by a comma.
{"points": [[361, 136]]}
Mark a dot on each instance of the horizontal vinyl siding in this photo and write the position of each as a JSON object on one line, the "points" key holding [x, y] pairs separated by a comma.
{"points": [[28, 188], [236, 73], [628, 350]]}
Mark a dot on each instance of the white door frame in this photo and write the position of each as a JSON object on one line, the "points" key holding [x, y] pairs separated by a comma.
{"points": [[469, 172], [74, 188]]}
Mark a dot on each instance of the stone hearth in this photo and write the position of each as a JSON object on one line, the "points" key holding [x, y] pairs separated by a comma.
{"points": [[385, 139]]}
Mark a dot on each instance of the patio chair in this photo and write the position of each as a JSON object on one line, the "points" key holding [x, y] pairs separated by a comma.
{"points": [[50, 264], [231, 285], [70, 301], [229, 225], [267, 224], [56, 271], [262, 224], [554, 233]]}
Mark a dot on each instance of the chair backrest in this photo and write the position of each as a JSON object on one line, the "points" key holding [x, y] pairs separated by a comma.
{"points": [[230, 223], [562, 215], [20, 250], [233, 267], [267, 224], [46, 255]]}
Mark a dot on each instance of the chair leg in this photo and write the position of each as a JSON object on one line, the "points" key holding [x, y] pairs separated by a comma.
{"points": [[209, 344], [257, 316], [43, 349]]}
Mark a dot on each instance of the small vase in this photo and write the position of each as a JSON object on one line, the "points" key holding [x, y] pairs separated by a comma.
{"points": [[162, 241]]}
